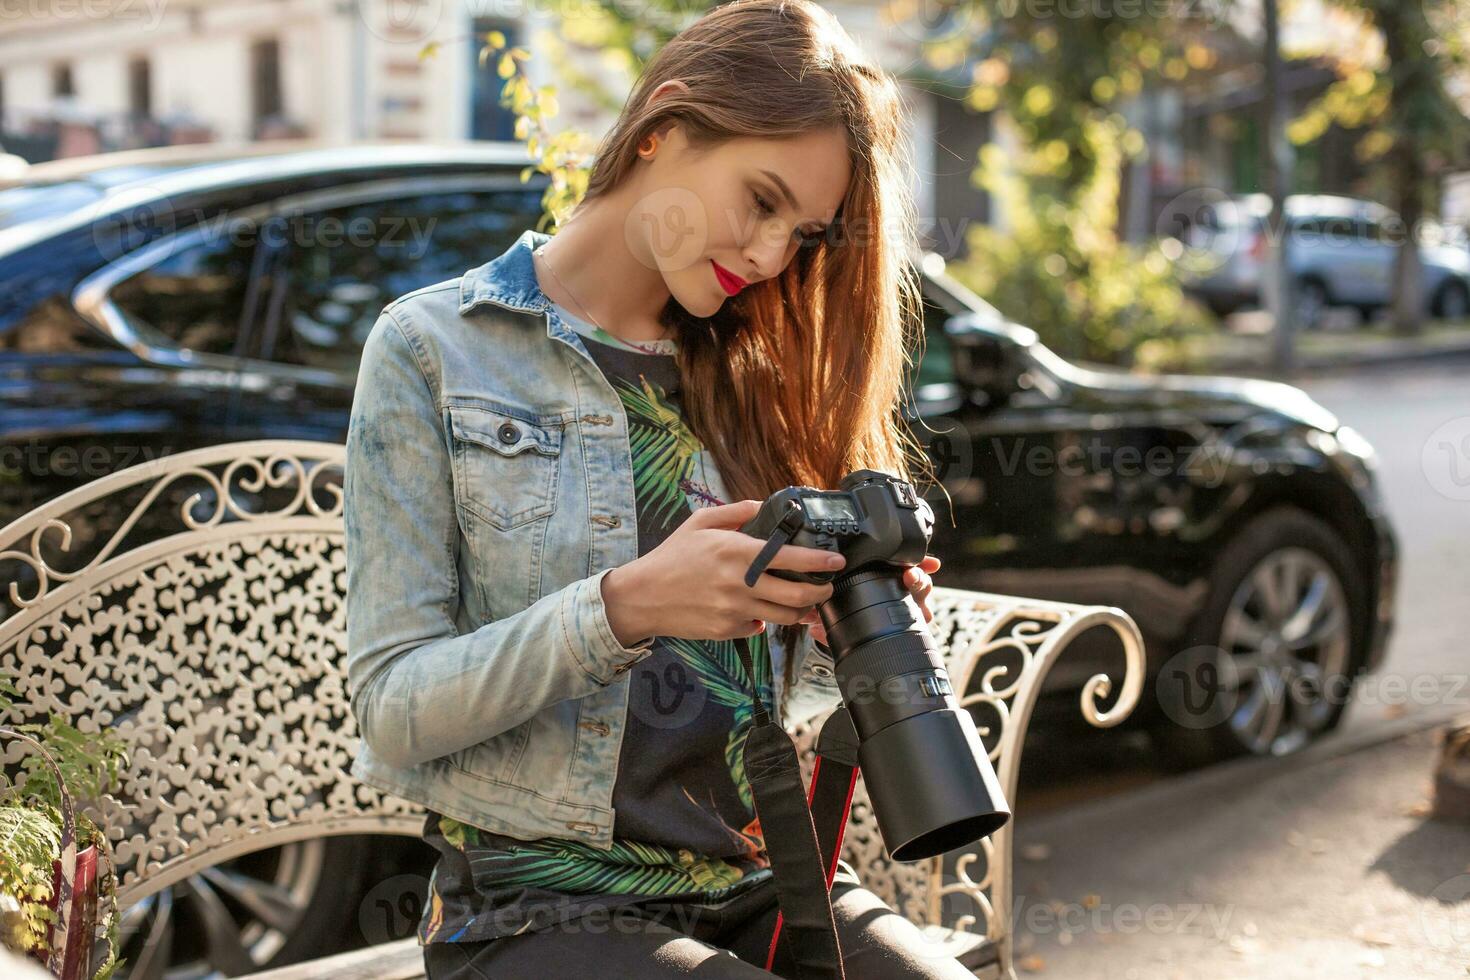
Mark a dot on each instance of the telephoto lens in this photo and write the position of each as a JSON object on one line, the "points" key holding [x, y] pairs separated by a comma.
{"points": [[928, 775]]}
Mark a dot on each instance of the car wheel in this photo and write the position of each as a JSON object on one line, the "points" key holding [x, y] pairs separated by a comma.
{"points": [[1310, 303], [1452, 302], [1281, 624], [265, 909]]}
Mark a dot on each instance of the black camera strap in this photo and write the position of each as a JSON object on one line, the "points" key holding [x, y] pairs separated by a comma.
{"points": [[803, 863]]}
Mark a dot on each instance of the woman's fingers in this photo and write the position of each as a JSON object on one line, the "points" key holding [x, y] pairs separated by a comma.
{"points": [[914, 578], [787, 593], [797, 558], [772, 612]]}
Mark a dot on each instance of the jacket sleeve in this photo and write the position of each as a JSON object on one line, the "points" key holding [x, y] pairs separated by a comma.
{"points": [[419, 689], [809, 696]]}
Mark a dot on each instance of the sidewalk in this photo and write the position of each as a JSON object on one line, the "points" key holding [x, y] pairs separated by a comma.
{"points": [[1312, 867], [1247, 348]]}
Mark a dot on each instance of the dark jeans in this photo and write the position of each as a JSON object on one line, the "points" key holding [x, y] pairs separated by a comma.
{"points": [[662, 940]]}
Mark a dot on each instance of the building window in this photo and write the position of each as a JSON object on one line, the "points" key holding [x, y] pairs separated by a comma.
{"points": [[265, 80], [61, 81], [489, 120], [140, 89]]}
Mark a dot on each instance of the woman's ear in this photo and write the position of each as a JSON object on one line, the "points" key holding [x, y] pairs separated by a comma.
{"points": [[669, 87]]}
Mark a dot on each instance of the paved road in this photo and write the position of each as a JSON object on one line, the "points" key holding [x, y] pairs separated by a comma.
{"points": [[1322, 865], [1418, 418]]}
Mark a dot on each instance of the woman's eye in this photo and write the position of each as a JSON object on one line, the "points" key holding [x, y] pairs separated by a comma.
{"points": [[764, 206]]}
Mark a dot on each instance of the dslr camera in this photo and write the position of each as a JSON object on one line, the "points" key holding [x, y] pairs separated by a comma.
{"points": [[928, 775]]}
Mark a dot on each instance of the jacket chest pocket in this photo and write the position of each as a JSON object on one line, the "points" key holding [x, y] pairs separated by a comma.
{"points": [[506, 463]]}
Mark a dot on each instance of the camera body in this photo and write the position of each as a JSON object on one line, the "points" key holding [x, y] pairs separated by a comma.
{"points": [[928, 775], [874, 519]]}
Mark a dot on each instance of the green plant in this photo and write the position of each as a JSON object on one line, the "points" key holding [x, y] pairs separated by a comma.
{"points": [[566, 156], [86, 766], [30, 837], [1062, 270], [1058, 89]]}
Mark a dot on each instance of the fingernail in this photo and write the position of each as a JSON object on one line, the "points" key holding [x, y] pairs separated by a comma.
{"points": [[836, 561]]}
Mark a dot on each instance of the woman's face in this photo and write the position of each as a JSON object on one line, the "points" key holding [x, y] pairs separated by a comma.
{"points": [[710, 219]]}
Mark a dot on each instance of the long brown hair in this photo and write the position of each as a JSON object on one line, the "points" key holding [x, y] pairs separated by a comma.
{"points": [[797, 379]]}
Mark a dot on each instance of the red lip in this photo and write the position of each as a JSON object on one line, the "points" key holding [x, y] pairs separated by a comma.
{"points": [[729, 281]]}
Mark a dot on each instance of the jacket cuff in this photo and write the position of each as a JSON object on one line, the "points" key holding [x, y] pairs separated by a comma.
{"points": [[590, 636]]}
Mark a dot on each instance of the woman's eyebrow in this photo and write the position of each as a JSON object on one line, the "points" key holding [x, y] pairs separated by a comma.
{"points": [[785, 190]]}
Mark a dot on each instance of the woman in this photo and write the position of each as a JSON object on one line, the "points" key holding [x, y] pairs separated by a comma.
{"points": [[549, 461]]}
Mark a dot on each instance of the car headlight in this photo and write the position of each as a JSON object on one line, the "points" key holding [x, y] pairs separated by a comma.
{"points": [[1354, 443]]}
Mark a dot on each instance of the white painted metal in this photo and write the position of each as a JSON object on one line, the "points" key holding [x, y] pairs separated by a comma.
{"points": [[216, 647]]}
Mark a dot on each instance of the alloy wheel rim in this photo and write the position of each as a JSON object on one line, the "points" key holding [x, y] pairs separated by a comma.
{"points": [[224, 921], [1456, 304], [1286, 632], [1310, 305]]}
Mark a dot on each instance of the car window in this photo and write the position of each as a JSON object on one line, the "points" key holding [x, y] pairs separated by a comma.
{"points": [[936, 361], [194, 297], [343, 265], [50, 326], [1307, 231]]}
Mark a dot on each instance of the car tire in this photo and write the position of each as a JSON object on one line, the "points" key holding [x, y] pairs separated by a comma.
{"points": [[1310, 303], [199, 927], [1206, 729], [1451, 301]]}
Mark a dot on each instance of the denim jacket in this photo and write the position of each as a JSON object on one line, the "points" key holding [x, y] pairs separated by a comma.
{"points": [[488, 490]]}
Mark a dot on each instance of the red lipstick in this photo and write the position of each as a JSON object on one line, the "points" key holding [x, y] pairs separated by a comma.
{"points": [[729, 281]]}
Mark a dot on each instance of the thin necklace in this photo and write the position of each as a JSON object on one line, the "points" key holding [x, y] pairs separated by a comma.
{"points": [[583, 306]]}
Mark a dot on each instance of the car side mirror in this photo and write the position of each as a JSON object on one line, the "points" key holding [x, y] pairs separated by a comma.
{"points": [[989, 356]]}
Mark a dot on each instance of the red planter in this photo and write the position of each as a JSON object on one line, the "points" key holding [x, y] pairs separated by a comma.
{"points": [[82, 917]]}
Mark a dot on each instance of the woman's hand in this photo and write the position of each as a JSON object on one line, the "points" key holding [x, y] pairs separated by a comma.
{"points": [[693, 584], [915, 577]]}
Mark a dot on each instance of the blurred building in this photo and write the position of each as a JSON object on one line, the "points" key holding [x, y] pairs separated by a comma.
{"points": [[117, 74]]}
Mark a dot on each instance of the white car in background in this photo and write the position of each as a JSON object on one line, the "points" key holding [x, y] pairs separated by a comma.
{"points": [[1341, 253]]}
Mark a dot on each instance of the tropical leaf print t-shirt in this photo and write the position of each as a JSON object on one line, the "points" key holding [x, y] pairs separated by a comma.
{"points": [[685, 826]]}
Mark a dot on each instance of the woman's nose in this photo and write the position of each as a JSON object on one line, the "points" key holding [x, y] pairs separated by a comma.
{"points": [[766, 253]]}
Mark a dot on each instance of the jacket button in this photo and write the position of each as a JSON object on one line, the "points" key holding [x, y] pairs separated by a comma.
{"points": [[508, 433]]}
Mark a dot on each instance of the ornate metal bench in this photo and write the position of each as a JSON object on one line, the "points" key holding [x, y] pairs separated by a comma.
{"points": [[207, 628]]}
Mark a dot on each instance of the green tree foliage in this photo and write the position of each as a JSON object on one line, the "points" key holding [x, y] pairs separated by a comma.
{"points": [[626, 38], [1059, 266], [1396, 88]]}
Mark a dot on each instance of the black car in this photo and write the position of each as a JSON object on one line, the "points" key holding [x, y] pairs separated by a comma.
{"points": [[158, 302]]}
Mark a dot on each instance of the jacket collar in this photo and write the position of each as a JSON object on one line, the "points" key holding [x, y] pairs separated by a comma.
{"points": [[508, 280]]}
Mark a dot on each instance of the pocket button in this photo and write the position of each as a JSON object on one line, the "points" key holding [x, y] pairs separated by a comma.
{"points": [[508, 433]]}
